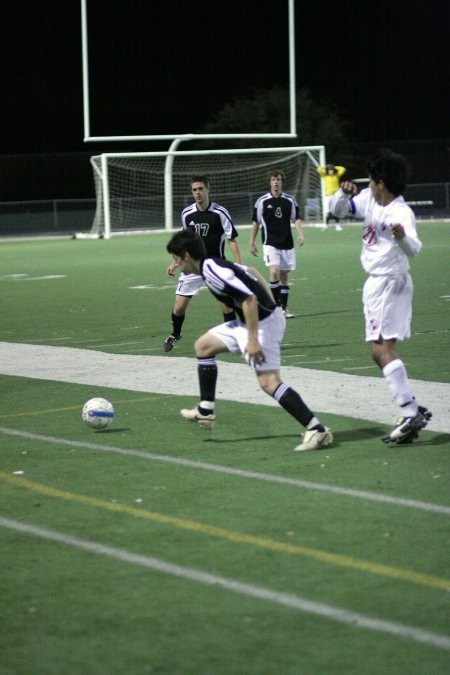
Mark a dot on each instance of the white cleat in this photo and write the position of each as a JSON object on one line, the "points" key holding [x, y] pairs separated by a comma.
{"points": [[315, 440], [194, 415]]}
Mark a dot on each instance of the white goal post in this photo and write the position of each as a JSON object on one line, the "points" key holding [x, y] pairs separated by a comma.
{"points": [[141, 191]]}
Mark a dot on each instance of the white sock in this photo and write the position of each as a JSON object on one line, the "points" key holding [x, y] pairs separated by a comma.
{"points": [[397, 379]]}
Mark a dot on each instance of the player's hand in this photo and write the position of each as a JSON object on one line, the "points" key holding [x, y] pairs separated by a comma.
{"points": [[170, 271], [398, 231], [253, 250], [255, 354], [301, 239], [349, 188]]}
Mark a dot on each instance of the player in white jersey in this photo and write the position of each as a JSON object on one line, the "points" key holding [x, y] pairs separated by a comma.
{"points": [[256, 334], [389, 240]]}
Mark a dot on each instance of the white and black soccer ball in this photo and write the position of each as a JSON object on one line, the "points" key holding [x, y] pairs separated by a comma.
{"points": [[98, 413]]}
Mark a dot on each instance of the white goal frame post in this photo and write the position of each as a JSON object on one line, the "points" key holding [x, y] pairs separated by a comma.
{"points": [[138, 192], [292, 133]]}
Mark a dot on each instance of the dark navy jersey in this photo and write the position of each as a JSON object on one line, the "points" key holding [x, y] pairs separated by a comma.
{"points": [[232, 284], [213, 225], [275, 215]]}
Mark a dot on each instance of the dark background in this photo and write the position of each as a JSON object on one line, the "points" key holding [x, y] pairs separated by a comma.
{"points": [[168, 67]]}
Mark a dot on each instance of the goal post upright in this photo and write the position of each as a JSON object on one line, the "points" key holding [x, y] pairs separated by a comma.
{"points": [[106, 216], [88, 137]]}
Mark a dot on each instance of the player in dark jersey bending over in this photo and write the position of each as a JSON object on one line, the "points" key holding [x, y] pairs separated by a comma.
{"points": [[213, 223], [256, 334]]}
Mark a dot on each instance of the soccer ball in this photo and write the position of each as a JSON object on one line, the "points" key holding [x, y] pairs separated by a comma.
{"points": [[97, 413]]}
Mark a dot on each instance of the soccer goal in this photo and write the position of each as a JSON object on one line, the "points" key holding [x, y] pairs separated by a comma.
{"points": [[144, 191]]}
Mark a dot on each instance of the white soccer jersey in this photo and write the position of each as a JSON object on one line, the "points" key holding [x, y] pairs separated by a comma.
{"points": [[382, 253]]}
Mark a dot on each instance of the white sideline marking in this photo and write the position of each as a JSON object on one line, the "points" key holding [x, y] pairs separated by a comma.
{"points": [[270, 478], [259, 592], [363, 397]]}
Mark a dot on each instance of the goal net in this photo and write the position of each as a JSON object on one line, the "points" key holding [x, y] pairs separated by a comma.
{"points": [[148, 190]]}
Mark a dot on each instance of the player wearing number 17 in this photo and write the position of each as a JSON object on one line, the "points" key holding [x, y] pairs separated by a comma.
{"points": [[213, 224]]}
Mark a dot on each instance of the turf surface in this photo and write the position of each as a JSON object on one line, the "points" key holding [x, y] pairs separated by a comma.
{"points": [[360, 527]]}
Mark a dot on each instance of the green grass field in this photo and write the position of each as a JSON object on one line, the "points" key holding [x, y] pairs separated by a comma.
{"points": [[155, 547]]}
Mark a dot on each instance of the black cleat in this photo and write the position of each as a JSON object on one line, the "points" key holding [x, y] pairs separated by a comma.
{"points": [[407, 428], [170, 342]]}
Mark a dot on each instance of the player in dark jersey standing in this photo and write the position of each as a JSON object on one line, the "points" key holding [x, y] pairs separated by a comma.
{"points": [[275, 211], [256, 334], [213, 223]]}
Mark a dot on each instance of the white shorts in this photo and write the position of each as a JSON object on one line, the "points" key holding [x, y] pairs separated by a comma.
{"points": [[387, 305], [234, 336], [189, 284], [283, 258]]}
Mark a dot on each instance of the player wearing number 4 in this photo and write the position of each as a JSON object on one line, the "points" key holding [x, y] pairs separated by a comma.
{"points": [[389, 240], [213, 223], [275, 211], [256, 334]]}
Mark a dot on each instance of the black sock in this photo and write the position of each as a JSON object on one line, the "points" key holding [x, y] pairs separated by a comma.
{"points": [[284, 296], [177, 322], [291, 401], [275, 287], [207, 377]]}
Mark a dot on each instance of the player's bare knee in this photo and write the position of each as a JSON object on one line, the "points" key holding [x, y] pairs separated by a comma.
{"points": [[269, 382], [204, 346]]}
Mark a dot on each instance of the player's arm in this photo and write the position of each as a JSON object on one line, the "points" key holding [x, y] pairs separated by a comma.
{"points": [[253, 233], [234, 247], [340, 205], [253, 348], [299, 228], [170, 271], [406, 238], [257, 274]]}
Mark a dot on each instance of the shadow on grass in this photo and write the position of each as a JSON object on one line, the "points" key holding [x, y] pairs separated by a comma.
{"points": [[112, 431], [350, 436], [439, 439], [342, 437]]}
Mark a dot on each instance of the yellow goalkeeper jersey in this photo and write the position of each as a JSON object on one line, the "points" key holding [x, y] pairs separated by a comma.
{"points": [[331, 182]]}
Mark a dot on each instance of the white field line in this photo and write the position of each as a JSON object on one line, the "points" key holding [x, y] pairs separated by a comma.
{"points": [[362, 397], [241, 473], [289, 600]]}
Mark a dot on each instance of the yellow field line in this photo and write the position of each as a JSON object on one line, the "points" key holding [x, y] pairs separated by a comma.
{"points": [[78, 407], [230, 535]]}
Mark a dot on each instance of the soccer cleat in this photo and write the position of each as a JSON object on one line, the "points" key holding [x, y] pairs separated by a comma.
{"points": [[407, 428], [315, 440], [194, 415], [287, 314], [170, 342]]}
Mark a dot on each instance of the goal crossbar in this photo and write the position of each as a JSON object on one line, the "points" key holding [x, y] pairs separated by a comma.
{"points": [[140, 190]]}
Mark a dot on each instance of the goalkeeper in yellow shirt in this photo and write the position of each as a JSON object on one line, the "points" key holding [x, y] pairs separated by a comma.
{"points": [[331, 176]]}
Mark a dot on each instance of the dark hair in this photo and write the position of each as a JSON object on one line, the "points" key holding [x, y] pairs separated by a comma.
{"points": [[187, 241], [332, 167], [391, 168], [200, 179]]}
